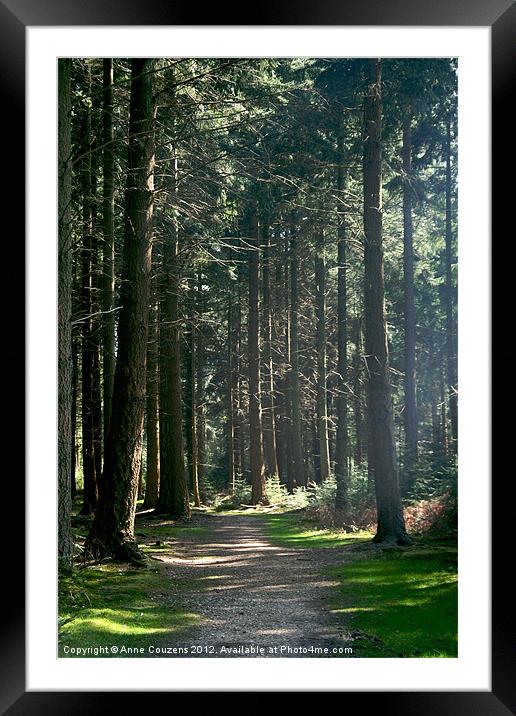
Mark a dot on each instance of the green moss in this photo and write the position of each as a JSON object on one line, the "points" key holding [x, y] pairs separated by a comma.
{"points": [[169, 530], [401, 604], [118, 605], [289, 530], [398, 602], [113, 605]]}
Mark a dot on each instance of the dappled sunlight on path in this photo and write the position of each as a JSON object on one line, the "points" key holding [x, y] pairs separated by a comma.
{"points": [[251, 592]]}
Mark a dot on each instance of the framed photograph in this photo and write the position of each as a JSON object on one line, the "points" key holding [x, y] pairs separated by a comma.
{"points": [[258, 376]]}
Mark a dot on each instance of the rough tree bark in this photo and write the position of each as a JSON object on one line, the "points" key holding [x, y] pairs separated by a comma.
{"points": [[108, 253], [187, 408], [258, 493], [75, 390], [76, 349], [320, 313], [269, 426], [298, 467], [66, 439], [96, 329], [200, 380], [282, 392], [193, 411], [313, 451], [436, 426], [241, 420], [341, 448], [112, 531], [391, 525], [410, 407], [88, 359], [451, 370], [152, 408], [230, 394], [236, 381], [445, 442], [173, 497], [357, 391]]}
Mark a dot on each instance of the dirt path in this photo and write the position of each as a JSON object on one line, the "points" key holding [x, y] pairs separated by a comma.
{"points": [[253, 593]]}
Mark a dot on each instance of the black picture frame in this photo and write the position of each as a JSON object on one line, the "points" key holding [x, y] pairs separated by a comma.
{"points": [[15, 17]]}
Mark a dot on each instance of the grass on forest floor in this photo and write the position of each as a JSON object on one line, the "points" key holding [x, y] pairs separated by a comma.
{"points": [[291, 530], [155, 537], [116, 605], [401, 604], [113, 605], [397, 602]]}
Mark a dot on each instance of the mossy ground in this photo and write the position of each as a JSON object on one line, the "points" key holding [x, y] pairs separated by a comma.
{"points": [[291, 530], [118, 605], [158, 536], [399, 602]]}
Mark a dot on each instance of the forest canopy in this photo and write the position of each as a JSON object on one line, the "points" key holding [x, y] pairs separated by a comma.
{"points": [[257, 290]]}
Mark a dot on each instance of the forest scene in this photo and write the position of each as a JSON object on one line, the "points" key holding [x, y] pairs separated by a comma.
{"points": [[258, 390]]}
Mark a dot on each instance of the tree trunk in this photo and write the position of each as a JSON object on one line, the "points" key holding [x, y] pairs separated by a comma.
{"points": [[230, 396], [89, 461], [96, 332], [391, 526], [436, 427], [108, 254], [299, 476], [281, 405], [66, 438], [258, 493], [112, 532], [73, 436], [342, 447], [236, 382], [451, 370], [444, 422], [152, 477], [187, 408], [357, 390], [269, 426], [76, 349], [201, 402], [140, 476], [240, 388], [193, 413], [173, 497], [322, 406], [289, 462], [199, 377], [410, 408], [315, 450]]}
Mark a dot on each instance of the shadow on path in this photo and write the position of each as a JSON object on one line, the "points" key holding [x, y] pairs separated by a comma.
{"points": [[254, 593]]}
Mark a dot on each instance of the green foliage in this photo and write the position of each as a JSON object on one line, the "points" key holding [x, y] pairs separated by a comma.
{"points": [[279, 495], [432, 504], [400, 603], [434, 477], [276, 492], [241, 495], [324, 493], [264, 132]]}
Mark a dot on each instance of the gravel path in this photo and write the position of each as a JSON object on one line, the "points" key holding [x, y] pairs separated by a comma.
{"points": [[255, 595]]}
